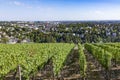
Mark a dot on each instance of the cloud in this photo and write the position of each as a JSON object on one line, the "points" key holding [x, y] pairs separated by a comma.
{"points": [[16, 3], [98, 12]]}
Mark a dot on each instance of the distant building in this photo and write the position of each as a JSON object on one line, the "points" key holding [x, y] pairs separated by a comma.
{"points": [[25, 41], [12, 41]]}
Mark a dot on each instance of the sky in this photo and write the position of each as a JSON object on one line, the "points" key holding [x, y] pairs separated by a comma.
{"points": [[55, 10]]}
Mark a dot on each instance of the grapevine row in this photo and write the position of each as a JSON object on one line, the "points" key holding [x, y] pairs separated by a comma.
{"points": [[82, 61], [31, 57], [100, 54], [114, 51]]}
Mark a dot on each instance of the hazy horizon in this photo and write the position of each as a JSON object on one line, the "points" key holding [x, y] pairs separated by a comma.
{"points": [[59, 10]]}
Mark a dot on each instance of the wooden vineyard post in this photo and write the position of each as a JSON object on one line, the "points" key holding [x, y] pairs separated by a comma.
{"points": [[19, 72], [107, 75]]}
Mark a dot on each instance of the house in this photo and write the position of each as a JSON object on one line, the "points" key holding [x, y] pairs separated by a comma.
{"points": [[114, 34], [25, 41], [12, 41]]}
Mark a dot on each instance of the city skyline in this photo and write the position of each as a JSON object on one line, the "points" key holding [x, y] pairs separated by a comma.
{"points": [[53, 10]]}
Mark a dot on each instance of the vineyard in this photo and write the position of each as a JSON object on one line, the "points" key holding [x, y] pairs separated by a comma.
{"points": [[60, 61]]}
